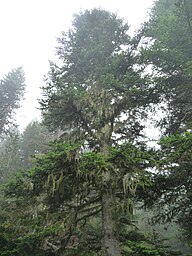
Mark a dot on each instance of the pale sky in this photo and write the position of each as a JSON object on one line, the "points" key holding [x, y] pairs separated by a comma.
{"points": [[28, 32]]}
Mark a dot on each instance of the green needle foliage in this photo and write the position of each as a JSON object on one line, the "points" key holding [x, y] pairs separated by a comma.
{"points": [[48, 208]]}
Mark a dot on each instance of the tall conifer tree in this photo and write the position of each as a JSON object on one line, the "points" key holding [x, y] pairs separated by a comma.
{"points": [[98, 95]]}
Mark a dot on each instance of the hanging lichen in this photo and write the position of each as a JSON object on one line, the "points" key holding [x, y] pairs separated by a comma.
{"points": [[130, 183]]}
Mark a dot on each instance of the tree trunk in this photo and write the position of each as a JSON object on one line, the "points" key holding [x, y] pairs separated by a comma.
{"points": [[110, 244]]}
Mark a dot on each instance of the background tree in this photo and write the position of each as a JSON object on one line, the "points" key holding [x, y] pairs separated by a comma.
{"points": [[171, 193], [35, 139], [170, 54], [10, 157], [18, 149], [11, 92]]}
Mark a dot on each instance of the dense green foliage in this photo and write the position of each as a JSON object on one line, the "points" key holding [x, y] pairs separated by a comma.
{"points": [[56, 206], [97, 82]]}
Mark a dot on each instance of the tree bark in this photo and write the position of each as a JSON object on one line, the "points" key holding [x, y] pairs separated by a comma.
{"points": [[110, 244]]}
